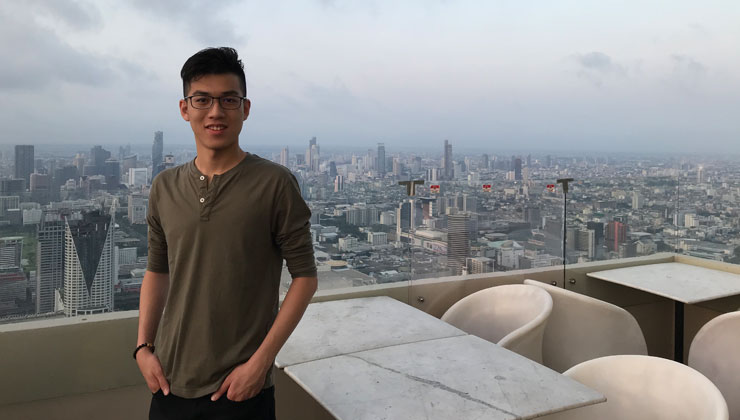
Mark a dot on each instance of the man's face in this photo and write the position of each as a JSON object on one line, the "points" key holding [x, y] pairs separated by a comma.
{"points": [[215, 128]]}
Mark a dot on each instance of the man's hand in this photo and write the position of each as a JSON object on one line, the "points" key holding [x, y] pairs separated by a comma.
{"points": [[151, 369], [245, 381]]}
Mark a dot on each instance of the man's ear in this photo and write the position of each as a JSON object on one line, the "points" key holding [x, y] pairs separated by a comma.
{"points": [[247, 107], [184, 109]]}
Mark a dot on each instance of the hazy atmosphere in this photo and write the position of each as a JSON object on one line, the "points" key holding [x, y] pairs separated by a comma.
{"points": [[608, 75]]}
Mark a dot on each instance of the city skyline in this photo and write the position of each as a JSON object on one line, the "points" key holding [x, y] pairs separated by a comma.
{"points": [[609, 76]]}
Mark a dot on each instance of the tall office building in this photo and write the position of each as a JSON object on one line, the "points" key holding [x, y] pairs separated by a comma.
{"points": [[447, 165], [518, 169], [89, 264], [284, 156], [312, 155], [484, 162], [700, 175], [24, 162], [458, 241], [380, 165], [49, 261], [157, 150]]}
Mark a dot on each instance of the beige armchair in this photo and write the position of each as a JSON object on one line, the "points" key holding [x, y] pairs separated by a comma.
{"points": [[582, 328], [645, 387], [714, 353], [513, 316]]}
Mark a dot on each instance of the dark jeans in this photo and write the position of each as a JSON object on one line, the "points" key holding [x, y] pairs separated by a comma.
{"points": [[171, 407]]}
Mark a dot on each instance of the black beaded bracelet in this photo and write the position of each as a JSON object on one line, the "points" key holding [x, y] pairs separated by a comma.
{"points": [[141, 346]]}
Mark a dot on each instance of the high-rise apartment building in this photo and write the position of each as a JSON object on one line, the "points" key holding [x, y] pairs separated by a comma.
{"points": [[447, 165], [49, 261], [89, 264], [24, 162], [458, 241], [380, 165]]}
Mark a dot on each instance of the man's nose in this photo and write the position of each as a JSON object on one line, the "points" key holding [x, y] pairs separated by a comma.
{"points": [[216, 109]]}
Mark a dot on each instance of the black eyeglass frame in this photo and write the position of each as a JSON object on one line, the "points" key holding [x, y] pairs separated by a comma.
{"points": [[213, 98]]}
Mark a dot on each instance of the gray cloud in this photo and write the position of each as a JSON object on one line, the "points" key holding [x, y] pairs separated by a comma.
{"points": [[37, 57], [599, 62], [78, 15], [687, 72], [198, 18], [596, 66]]}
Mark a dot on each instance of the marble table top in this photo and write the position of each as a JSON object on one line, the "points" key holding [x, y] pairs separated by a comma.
{"points": [[681, 282], [463, 377], [346, 326]]}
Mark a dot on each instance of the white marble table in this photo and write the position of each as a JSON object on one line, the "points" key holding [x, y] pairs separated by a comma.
{"points": [[436, 373], [682, 283], [346, 326]]}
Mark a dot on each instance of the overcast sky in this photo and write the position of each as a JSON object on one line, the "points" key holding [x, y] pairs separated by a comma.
{"points": [[529, 75]]}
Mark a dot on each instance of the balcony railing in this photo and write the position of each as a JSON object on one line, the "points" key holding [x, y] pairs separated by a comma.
{"points": [[81, 367]]}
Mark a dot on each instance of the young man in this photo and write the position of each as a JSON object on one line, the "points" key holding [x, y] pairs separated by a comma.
{"points": [[219, 229]]}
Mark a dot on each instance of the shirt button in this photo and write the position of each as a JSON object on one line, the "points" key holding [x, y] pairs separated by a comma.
{"points": [[202, 200], [202, 177]]}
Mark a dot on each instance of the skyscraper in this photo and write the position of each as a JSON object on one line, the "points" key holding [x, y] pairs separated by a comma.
{"points": [[24, 162], [380, 166], [49, 261], [157, 151], [458, 243], [312, 155], [518, 169], [447, 164], [284, 156], [89, 264]]}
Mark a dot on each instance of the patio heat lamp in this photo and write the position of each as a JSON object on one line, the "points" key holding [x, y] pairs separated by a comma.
{"points": [[564, 182], [411, 193]]}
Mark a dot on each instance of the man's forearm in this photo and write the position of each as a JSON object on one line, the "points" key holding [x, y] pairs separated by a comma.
{"points": [[152, 299], [294, 305]]}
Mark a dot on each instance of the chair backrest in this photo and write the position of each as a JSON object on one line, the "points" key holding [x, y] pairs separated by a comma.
{"points": [[645, 387], [513, 316], [714, 353], [582, 328]]}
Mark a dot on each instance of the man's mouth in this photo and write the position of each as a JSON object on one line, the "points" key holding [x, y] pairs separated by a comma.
{"points": [[216, 127]]}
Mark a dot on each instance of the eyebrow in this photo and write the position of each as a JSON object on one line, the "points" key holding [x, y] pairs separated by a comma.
{"points": [[227, 93]]}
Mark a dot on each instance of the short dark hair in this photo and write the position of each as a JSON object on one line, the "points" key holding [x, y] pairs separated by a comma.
{"points": [[221, 60]]}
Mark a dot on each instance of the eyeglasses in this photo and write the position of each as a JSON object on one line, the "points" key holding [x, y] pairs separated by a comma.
{"points": [[206, 101]]}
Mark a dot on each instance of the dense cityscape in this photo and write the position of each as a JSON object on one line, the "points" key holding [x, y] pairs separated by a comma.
{"points": [[73, 228]]}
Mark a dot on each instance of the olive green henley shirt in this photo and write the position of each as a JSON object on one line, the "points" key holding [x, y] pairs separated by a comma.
{"points": [[223, 243]]}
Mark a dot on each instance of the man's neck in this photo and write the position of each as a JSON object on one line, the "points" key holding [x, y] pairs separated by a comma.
{"points": [[215, 162]]}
